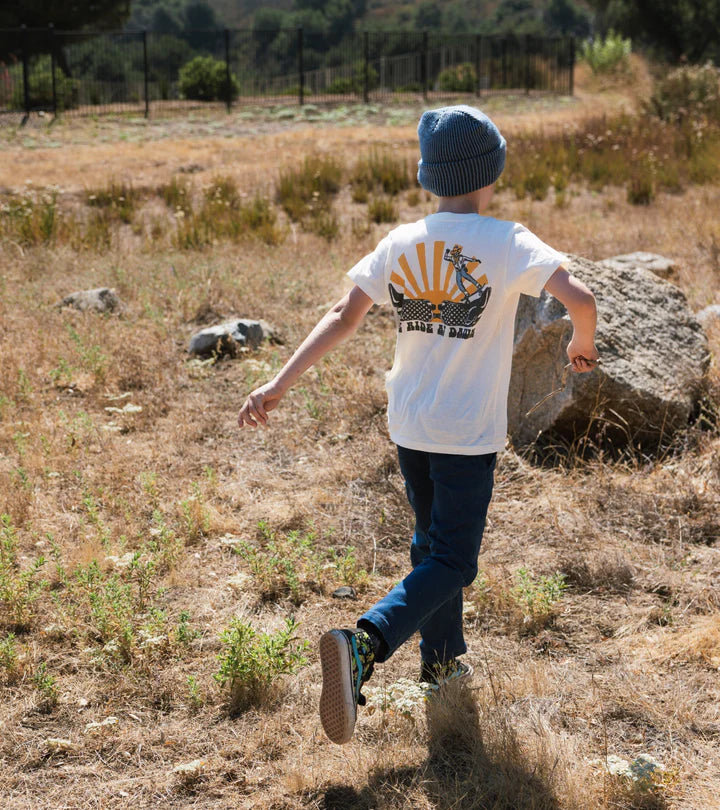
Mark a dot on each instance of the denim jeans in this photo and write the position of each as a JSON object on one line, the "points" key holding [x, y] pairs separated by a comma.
{"points": [[450, 495]]}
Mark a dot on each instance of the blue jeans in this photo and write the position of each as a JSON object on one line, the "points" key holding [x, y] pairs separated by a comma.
{"points": [[450, 495]]}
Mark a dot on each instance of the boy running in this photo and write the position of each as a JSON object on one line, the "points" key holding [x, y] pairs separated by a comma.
{"points": [[447, 393]]}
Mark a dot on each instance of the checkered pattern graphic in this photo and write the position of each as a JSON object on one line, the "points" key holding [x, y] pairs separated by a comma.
{"points": [[416, 309], [454, 314]]}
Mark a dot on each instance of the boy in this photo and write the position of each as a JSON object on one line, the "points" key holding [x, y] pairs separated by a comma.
{"points": [[447, 391]]}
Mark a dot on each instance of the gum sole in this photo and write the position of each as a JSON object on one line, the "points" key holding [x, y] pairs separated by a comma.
{"points": [[337, 703]]}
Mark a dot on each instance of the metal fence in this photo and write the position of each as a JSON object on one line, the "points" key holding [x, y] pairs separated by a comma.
{"points": [[75, 72]]}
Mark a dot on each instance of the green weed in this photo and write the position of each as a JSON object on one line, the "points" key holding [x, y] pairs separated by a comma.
{"points": [[537, 596], [46, 686], [195, 515], [9, 659], [19, 589], [118, 199], [608, 54], [251, 663], [285, 566], [310, 185]]}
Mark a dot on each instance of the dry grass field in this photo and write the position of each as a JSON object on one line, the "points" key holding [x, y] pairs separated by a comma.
{"points": [[152, 555]]}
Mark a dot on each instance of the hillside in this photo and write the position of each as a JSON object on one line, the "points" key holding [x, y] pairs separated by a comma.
{"points": [[489, 16]]}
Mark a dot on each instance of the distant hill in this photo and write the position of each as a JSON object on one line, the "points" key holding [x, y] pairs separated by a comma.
{"points": [[487, 16]]}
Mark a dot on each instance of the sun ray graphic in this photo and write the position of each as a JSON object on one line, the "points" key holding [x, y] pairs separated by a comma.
{"points": [[411, 276]]}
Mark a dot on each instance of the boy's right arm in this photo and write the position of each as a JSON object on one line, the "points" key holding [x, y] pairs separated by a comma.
{"points": [[336, 325], [580, 304]]}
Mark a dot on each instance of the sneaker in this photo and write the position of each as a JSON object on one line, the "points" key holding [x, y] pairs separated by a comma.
{"points": [[347, 659], [435, 675]]}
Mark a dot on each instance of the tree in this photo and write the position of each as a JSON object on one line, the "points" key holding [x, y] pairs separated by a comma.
{"points": [[675, 28], [80, 15], [565, 17], [428, 16]]}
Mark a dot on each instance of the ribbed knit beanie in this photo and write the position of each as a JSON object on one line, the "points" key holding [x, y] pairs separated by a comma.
{"points": [[461, 150]]}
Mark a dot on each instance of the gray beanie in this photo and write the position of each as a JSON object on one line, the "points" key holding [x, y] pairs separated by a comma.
{"points": [[461, 151]]}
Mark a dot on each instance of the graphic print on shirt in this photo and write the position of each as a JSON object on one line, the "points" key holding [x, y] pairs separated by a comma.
{"points": [[445, 299]]}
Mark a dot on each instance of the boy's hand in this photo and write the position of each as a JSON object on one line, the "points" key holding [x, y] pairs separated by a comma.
{"points": [[582, 356], [255, 408]]}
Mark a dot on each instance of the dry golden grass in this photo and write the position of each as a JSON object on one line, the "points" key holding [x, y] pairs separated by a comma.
{"points": [[626, 664]]}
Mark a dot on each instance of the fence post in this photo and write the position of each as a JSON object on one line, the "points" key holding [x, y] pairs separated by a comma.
{"points": [[572, 66], [424, 64], [145, 72], [504, 62], [228, 100], [527, 64], [52, 69], [478, 63], [366, 67], [301, 66], [25, 71]]}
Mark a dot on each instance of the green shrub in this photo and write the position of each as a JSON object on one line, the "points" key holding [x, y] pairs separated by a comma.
{"points": [[355, 83], [688, 92], [41, 90], [458, 79], [608, 55], [536, 597], [283, 566], [251, 664], [205, 79], [19, 589]]}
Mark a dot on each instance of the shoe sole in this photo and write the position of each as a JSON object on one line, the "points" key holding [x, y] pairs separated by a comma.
{"points": [[338, 709]]}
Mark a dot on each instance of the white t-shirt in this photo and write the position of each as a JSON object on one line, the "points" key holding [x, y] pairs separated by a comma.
{"points": [[454, 281]]}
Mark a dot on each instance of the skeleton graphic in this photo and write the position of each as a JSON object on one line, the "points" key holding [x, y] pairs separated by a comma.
{"points": [[459, 262]]}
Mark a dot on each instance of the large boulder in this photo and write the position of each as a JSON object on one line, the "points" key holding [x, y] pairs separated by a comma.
{"points": [[654, 355], [660, 265], [226, 338]]}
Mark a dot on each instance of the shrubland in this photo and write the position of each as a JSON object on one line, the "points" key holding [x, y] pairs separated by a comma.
{"points": [[164, 578]]}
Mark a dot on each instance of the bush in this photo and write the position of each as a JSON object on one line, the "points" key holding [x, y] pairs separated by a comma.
{"points": [[458, 78], [688, 92], [205, 79], [41, 90], [252, 663], [607, 55]]}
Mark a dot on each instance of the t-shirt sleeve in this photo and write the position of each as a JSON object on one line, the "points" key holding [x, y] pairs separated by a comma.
{"points": [[370, 272], [530, 262]]}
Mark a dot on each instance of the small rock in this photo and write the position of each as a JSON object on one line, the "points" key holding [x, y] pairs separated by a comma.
{"points": [[108, 722], [660, 265], [190, 768], [115, 561], [346, 592], [226, 338], [710, 316], [239, 581], [102, 299], [59, 744]]}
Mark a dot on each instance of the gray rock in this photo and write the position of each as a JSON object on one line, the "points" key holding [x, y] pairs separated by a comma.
{"points": [[709, 317], [653, 262], [345, 592], [654, 357], [225, 338], [103, 299]]}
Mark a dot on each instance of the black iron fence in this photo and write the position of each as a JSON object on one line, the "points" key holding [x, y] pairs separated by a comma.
{"points": [[93, 72]]}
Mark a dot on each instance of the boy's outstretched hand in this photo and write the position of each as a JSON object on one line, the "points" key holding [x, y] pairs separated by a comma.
{"points": [[255, 408], [582, 357]]}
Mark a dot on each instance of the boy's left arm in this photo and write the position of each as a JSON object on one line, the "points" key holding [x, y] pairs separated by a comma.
{"points": [[580, 304]]}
